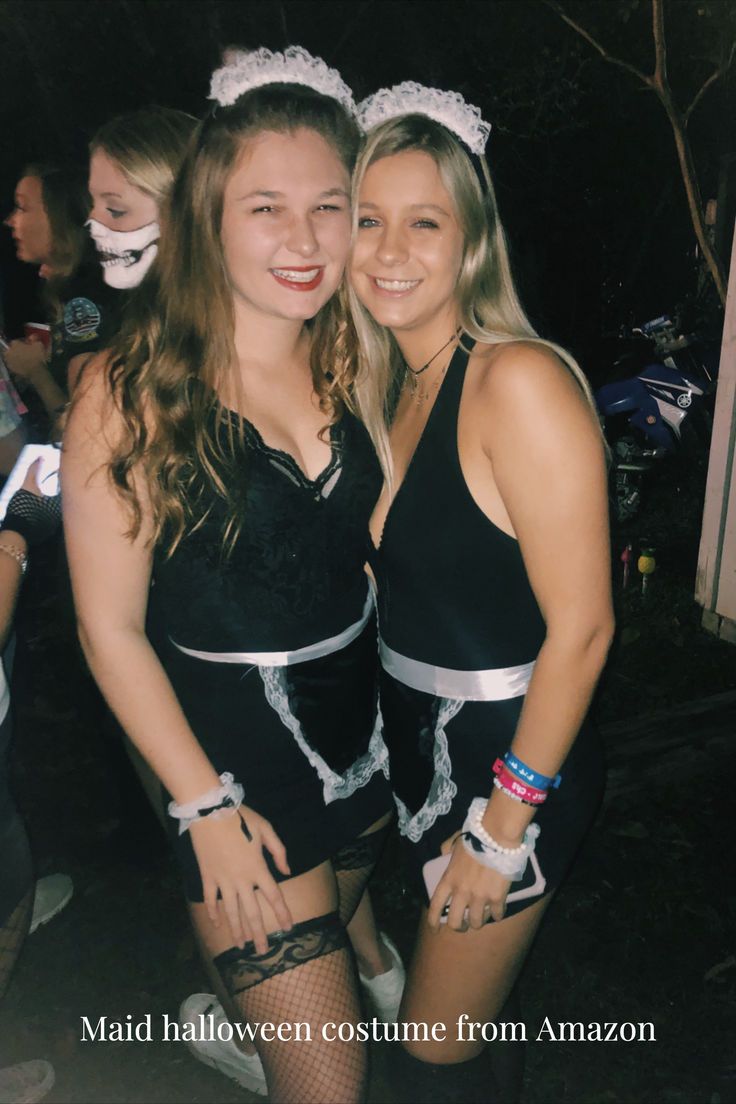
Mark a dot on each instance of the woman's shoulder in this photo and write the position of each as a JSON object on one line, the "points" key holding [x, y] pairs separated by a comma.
{"points": [[524, 373], [522, 388]]}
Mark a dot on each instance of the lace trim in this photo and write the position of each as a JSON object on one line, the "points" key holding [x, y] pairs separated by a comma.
{"points": [[247, 69], [241, 968], [449, 108], [334, 786], [285, 463], [443, 789]]}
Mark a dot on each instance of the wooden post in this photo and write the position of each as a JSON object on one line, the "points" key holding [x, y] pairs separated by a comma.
{"points": [[715, 587]]}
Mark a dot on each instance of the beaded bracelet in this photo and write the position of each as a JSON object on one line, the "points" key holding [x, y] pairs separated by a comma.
{"points": [[474, 824], [534, 778], [509, 861], [220, 801], [16, 554], [530, 795]]}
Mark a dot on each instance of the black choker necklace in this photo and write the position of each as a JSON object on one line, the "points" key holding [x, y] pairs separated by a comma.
{"points": [[418, 371]]}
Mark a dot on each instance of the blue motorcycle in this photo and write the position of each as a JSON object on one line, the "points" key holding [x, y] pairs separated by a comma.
{"points": [[658, 411]]}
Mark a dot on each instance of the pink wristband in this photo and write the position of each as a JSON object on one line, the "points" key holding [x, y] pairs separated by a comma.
{"points": [[510, 782]]}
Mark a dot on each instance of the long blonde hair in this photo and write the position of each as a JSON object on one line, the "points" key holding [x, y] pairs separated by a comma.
{"points": [[175, 354], [148, 147], [489, 310]]}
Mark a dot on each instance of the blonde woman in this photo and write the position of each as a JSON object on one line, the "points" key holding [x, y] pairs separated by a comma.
{"points": [[492, 566], [217, 452]]}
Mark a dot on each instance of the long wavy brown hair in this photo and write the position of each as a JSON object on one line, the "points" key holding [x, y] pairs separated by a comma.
{"points": [[175, 352]]}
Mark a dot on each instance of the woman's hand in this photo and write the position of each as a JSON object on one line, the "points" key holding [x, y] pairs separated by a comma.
{"points": [[26, 359], [469, 887], [234, 866]]}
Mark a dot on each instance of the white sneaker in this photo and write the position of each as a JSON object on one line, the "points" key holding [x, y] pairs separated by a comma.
{"points": [[53, 893], [26, 1082], [246, 1069], [385, 990]]}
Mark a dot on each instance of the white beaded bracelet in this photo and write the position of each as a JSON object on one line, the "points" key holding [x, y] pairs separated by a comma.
{"points": [[222, 800], [479, 843]]}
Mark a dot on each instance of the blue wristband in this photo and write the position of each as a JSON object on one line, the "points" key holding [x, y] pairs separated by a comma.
{"points": [[534, 778]]}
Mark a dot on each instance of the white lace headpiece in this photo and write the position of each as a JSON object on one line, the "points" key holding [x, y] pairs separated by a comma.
{"points": [[247, 69], [410, 98]]}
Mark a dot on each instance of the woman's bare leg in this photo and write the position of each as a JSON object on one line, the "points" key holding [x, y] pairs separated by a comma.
{"points": [[472, 973]]}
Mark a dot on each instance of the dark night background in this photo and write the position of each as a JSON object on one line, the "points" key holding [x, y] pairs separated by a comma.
{"points": [[583, 157], [592, 198]]}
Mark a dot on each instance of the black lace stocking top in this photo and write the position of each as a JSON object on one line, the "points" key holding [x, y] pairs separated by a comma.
{"points": [[296, 574]]}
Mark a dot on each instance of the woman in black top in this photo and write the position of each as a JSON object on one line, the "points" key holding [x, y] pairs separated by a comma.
{"points": [[47, 223], [218, 451], [492, 568]]}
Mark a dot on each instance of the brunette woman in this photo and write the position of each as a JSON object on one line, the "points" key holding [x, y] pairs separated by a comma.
{"points": [[218, 452]]}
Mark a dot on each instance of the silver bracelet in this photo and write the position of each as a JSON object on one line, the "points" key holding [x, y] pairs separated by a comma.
{"points": [[222, 800]]}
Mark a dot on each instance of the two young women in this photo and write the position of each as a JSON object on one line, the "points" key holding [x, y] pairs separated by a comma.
{"points": [[220, 451]]}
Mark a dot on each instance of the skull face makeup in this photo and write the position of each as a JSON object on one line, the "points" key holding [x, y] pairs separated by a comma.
{"points": [[125, 255]]}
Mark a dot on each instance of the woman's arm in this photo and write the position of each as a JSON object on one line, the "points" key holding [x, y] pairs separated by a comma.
{"points": [[110, 575], [544, 449]]}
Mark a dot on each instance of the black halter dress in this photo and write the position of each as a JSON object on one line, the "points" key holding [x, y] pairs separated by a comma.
{"points": [[272, 651], [460, 629]]}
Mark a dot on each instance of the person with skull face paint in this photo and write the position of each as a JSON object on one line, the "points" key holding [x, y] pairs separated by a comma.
{"points": [[133, 161]]}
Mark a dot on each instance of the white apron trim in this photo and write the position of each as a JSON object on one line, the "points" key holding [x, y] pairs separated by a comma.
{"points": [[496, 684]]}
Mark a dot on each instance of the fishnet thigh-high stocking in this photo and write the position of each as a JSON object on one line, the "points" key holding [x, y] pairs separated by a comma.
{"points": [[353, 865], [306, 976], [12, 934]]}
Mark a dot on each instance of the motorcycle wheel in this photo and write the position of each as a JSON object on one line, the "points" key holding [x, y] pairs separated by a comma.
{"points": [[625, 496]]}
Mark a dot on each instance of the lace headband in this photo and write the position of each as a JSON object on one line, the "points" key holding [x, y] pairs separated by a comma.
{"points": [[410, 98], [247, 69]]}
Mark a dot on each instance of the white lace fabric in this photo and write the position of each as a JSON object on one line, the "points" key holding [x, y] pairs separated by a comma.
{"points": [[245, 70], [334, 785], [448, 108], [442, 790]]}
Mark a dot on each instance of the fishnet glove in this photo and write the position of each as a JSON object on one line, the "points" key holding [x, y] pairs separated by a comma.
{"points": [[34, 517]]}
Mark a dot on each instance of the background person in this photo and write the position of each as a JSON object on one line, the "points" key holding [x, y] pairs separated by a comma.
{"points": [[30, 519], [47, 223]]}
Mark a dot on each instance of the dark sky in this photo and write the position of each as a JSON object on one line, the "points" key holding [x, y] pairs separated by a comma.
{"points": [[583, 158]]}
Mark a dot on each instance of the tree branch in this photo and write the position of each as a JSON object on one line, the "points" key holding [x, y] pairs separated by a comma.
{"points": [[647, 80], [715, 76], [660, 47]]}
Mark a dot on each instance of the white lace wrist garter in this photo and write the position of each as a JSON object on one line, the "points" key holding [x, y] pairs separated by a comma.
{"points": [[247, 69], [410, 98], [222, 800]]}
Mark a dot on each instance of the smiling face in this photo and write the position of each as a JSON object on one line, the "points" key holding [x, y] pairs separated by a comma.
{"points": [[409, 247], [30, 223], [286, 224]]}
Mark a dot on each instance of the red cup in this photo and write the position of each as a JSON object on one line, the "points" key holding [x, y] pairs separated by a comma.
{"points": [[38, 331]]}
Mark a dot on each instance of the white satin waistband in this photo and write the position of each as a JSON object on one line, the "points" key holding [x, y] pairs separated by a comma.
{"points": [[495, 684], [298, 655]]}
